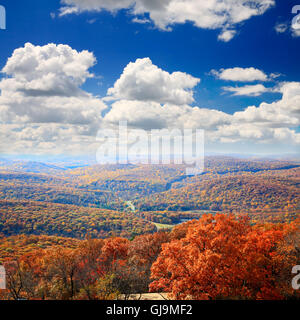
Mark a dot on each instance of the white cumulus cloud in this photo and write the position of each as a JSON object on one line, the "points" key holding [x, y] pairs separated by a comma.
{"points": [[152, 115], [143, 81], [240, 74], [44, 110], [226, 35], [269, 122], [249, 90], [42, 84], [208, 14], [51, 70]]}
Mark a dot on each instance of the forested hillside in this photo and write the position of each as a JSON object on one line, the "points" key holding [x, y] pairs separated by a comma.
{"points": [[104, 232], [217, 257], [37, 218]]}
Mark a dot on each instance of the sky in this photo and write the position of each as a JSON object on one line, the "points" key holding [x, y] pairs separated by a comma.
{"points": [[73, 67]]}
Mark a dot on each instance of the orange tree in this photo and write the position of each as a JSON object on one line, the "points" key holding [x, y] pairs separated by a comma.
{"points": [[224, 257]]}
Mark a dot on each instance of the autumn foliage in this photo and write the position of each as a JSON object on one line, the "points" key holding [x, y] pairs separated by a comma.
{"points": [[217, 257], [222, 257], [92, 232]]}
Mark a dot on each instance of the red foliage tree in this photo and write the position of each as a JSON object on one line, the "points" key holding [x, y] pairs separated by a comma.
{"points": [[221, 257]]}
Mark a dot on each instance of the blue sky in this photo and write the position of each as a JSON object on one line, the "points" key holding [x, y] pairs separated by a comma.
{"points": [[115, 41]]}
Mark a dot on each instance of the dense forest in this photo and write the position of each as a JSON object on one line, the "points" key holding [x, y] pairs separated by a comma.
{"points": [[37, 218], [216, 257], [109, 232], [246, 191]]}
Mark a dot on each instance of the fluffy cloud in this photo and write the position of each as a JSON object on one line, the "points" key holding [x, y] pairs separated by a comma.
{"points": [[69, 110], [152, 115], [209, 14], [147, 100], [281, 27], [49, 139], [42, 107], [75, 6], [284, 113], [143, 81], [227, 35], [43, 85], [268, 123], [250, 90], [50, 70], [252, 133], [240, 74], [139, 114], [40, 115], [151, 98]]}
